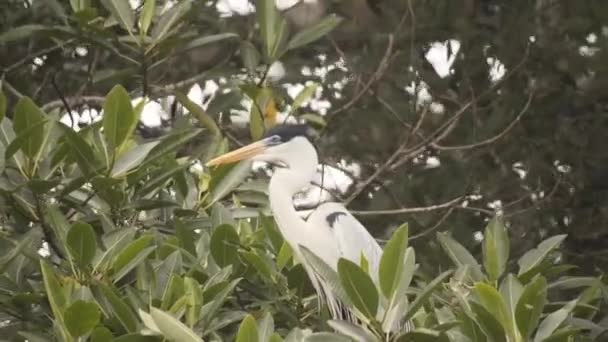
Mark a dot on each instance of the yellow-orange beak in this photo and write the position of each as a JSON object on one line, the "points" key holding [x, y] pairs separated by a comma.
{"points": [[244, 152]]}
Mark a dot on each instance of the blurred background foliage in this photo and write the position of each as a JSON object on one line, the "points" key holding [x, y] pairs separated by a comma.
{"points": [[436, 113]]}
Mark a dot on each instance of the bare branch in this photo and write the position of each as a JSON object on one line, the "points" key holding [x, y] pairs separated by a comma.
{"points": [[445, 205], [494, 138]]}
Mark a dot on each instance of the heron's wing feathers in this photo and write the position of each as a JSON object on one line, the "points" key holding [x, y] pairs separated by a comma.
{"points": [[352, 237]]}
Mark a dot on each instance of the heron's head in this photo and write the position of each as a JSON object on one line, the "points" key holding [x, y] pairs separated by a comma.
{"points": [[281, 144]]}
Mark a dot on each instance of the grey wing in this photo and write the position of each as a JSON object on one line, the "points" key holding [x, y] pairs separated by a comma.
{"points": [[352, 237]]}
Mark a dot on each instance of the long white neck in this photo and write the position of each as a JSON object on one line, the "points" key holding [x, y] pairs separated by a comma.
{"points": [[285, 183]]}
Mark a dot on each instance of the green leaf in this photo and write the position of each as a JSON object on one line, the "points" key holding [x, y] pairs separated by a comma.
{"points": [[303, 96], [146, 16], [81, 151], [209, 310], [2, 104], [224, 244], [24, 141], [550, 324], [249, 55], [172, 328], [459, 255], [227, 179], [199, 113], [258, 263], [534, 257], [495, 248], [530, 306], [325, 337], [356, 332], [119, 118], [248, 331], [206, 40], [132, 158], [273, 27], [53, 289], [119, 307], [494, 303], [82, 243], [194, 295], [169, 19], [124, 260], [391, 263], [81, 317], [28, 120], [424, 295], [101, 334], [511, 290], [265, 327], [22, 32], [359, 287], [122, 12], [310, 34], [398, 302]]}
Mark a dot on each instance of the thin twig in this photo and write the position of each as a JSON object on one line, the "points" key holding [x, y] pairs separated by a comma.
{"points": [[434, 227], [407, 210], [382, 66], [74, 101], [495, 138], [66, 105]]}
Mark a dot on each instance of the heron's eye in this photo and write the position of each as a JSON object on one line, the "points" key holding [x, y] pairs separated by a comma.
{"points": [[274, 140]]}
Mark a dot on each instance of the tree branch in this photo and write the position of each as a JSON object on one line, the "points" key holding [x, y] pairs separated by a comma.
{"points": [[447, 204]]}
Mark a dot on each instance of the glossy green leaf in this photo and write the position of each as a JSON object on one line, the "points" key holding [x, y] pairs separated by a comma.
{"points": [[206, 40], [119, 118], [224, 244], [24, 141], [354, 331], [325, 337], [128, 254], [228, 181], [132, 158], [553, 321], [82, 243], [495, 248], [424, 295], [147, 14], [81, 151], [248, 331], [81, 317], [303, 96], [495, 304], [258, 263], [101, 334], [315, 32], [359, 287], [28, 120], [249, 55], [172, 328], [273, 27], [265, 327], [2, 104], [199, 113], [119, 307], [122, 12], [284, 256], [21, 32], [534, 257], [530, 306], [459, 255], [511, 290], [391, 263], [169, 20]]}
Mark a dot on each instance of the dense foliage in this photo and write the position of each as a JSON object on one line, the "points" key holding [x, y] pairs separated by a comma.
{"points": [[113, 231]]}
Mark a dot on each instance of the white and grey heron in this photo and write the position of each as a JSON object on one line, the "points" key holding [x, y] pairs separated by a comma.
{"points": [[330, 232]]}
